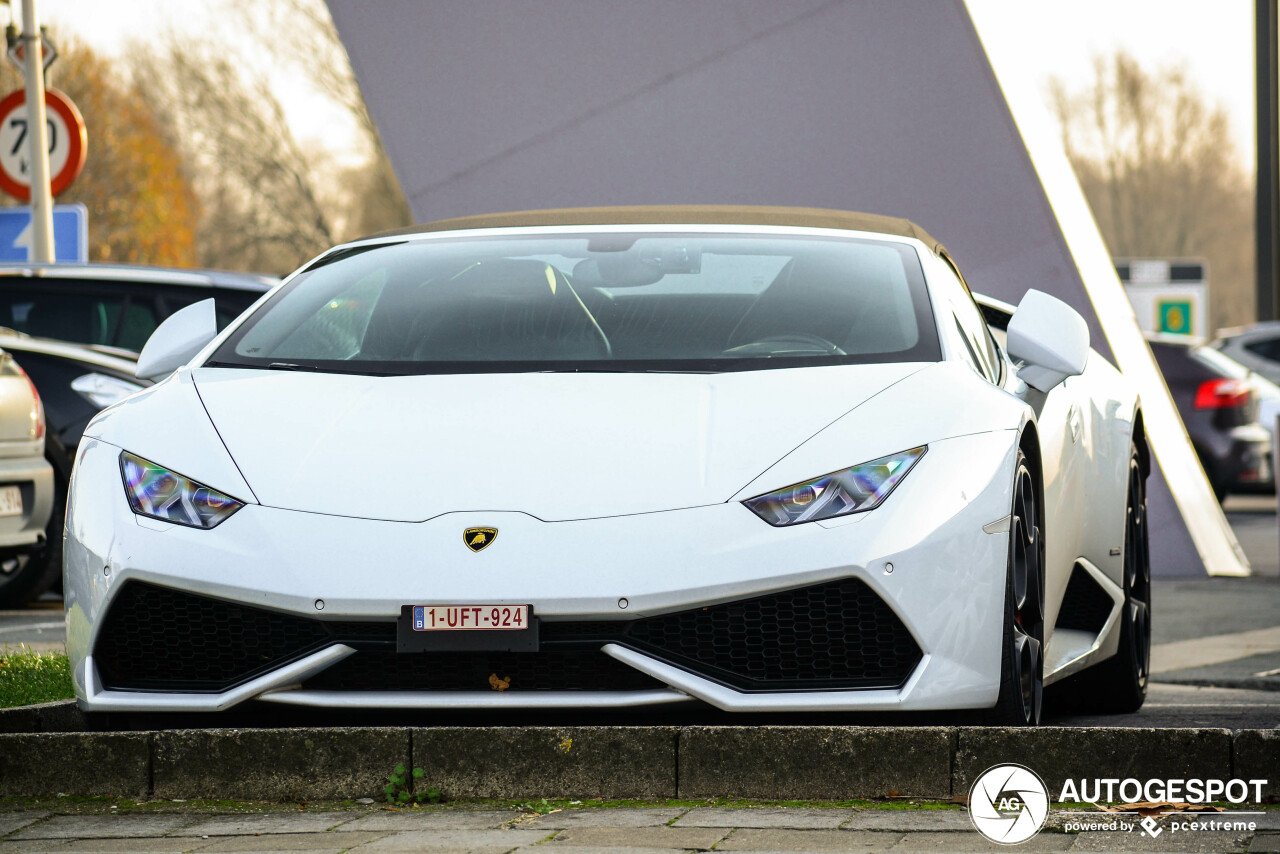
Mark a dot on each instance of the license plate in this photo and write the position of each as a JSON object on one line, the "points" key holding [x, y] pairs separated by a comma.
{"points": [[10, 501], [470, 618], [467, 628]]}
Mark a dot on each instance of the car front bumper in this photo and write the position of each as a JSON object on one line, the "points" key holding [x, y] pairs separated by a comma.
{"points": [[923, 555]]}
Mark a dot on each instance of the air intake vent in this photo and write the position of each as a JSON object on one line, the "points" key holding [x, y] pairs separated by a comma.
{"points": [[1085, 606]]}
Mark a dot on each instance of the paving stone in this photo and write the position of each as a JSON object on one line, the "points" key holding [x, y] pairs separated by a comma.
{"points": [[240, 825], [910, 820], [58, 716], [32, 846], [104, 827], [159, 845], [478, 841], [1166, 841], [329, 763], [640, 837], [453, 819], [11, 821], [611, 817], [1055, 753], [77, 762], [334, 841], [447, 849], [815, 762], [590, 849], [548, 762], [974, 841], [1256, 753], [764, 817], [1266, 843], [776, 839]]}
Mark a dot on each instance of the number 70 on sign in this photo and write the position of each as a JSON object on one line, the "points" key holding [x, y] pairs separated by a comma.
{"points": [[68, 143]]}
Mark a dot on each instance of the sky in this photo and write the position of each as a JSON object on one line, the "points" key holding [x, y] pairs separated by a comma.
{"points": [[1213, 38]]}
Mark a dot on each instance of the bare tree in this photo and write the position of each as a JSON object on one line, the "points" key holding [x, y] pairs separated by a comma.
{"points": [[256, 183], [1159, 169], [301, 34], [268, 202]]}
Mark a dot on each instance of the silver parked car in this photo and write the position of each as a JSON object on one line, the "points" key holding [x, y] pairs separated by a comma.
{"points": [[26, 480]]}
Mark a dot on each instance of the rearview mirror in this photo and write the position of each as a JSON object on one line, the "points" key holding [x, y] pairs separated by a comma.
{"points": [[183, 334], [1050, 338]]}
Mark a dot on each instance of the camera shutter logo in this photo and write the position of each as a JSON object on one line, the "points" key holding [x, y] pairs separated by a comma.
{"points": [[1008, 804]]}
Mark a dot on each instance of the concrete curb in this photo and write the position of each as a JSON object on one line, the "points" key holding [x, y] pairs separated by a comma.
{"points": [[612, 762]]}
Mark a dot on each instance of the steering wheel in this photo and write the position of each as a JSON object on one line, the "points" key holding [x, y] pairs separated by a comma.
{"points": [[779, 344]]}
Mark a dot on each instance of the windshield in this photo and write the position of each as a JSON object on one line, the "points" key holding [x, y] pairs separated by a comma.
{"points": [[607, 301]]}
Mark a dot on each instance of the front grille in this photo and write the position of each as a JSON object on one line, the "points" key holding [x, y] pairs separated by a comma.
{"points": [[155, 638], [837, 635], [551, 670]]}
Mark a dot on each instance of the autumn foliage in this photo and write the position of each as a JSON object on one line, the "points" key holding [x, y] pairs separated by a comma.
{"points": [[142, 208]]}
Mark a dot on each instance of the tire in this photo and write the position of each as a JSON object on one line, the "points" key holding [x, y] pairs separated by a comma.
{"points": [[42, 568], [1022, 645], [1118, 685]]}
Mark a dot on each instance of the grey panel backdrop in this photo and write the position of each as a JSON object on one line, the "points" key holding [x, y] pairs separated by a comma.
{"points": [[886, 106]]}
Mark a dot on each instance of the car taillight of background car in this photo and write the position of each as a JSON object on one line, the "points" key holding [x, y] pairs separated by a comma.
{"points": [[1224, 394]]}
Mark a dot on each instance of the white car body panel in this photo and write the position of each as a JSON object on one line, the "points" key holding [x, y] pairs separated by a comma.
{"points": [[660, 562], [618, 496], [690, 439], [179, 433]]}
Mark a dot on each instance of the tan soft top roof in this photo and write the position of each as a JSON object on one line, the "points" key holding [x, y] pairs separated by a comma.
{"points": [[682, 215]]}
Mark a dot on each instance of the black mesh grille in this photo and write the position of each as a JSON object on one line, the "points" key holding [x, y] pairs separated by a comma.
{"points": [[550, 670], [157, 638], [836, 635], [1085, 605]]}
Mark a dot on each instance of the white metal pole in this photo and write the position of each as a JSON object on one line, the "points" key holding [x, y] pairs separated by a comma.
{"points": [[38, 139]]}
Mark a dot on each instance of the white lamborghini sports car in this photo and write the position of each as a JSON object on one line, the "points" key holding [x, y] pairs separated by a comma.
{"points": [[766, 459]]}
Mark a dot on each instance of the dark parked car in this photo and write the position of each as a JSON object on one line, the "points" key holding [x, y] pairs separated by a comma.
{"points": [[1257, 348], [1217, 398], [77, 330]]}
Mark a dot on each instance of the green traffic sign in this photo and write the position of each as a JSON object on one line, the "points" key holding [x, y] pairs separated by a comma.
{"points": [[1175, 316]]}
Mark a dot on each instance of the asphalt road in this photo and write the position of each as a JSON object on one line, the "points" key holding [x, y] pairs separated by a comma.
{"points": [[1215, 660]]}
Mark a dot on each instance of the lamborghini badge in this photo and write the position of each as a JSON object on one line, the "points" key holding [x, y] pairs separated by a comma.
{"points": [[477, 539]]}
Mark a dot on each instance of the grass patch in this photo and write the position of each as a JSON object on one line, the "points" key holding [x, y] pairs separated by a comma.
{"points": [[28, 677]]}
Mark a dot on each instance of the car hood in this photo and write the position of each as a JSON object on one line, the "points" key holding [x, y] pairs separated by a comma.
{"points": [[557, 446]]}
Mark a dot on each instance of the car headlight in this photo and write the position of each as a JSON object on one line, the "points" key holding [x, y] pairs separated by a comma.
{"points": [[161, 494], [102, 390], [852, 490]]}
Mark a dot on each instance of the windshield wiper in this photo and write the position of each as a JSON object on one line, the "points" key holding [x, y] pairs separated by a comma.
{"points": [[279, 366]]}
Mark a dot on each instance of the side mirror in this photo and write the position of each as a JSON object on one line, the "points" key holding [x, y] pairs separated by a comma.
{"points": [[1050, 338], [183, 334]]}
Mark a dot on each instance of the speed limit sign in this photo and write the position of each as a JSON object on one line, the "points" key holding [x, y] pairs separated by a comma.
{"points": [[67, 143]]}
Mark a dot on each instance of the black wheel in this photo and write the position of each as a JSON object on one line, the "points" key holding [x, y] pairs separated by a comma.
{"points": [[1119, 684], [1022, 656], [24, 577]]}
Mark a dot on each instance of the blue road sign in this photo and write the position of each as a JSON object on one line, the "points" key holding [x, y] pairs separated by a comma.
{"points": [[70, 234]]}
